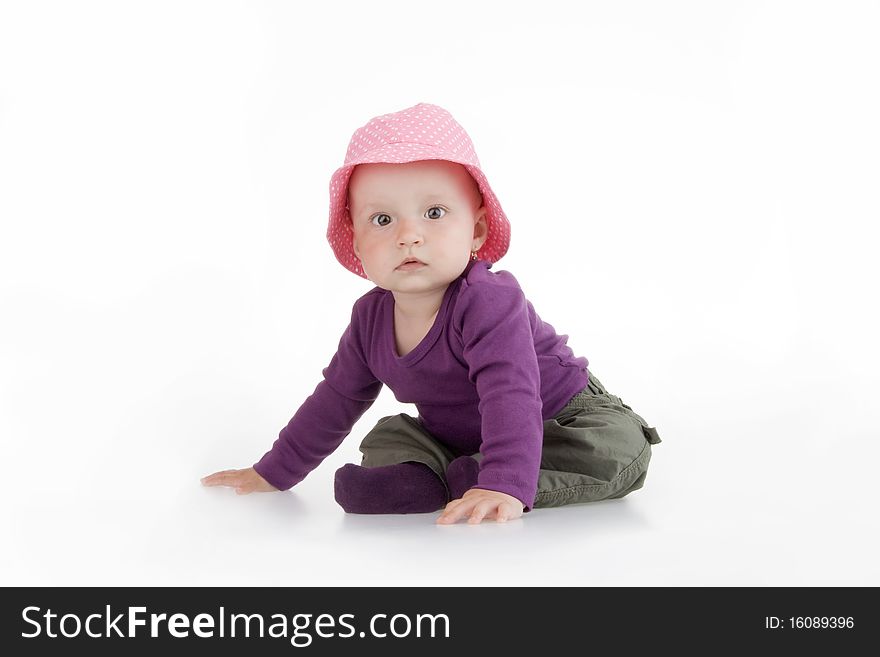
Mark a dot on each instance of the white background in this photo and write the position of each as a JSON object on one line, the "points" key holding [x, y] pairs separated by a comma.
{"points": [[693, 191]]}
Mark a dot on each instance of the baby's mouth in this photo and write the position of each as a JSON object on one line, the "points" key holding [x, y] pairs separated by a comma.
{"points": [[410, 263]]}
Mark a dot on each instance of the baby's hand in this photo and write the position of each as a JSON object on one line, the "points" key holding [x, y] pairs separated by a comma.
{"points": [[243, 481], [478, 504]]}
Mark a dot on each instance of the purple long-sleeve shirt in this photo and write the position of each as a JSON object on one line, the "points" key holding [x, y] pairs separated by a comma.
{"points": [[484, 379]]}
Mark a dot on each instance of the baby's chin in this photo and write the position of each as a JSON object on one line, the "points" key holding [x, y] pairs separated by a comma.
{"points": [[437, 274], [415, 283]]}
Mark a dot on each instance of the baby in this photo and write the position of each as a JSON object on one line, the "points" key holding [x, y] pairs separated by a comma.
{"points": [[509, 418]]}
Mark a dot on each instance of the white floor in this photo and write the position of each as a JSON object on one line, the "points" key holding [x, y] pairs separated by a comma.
{"points": [[720, 509]]}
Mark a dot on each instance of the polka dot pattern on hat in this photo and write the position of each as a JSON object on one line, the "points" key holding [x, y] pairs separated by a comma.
{"points": [[421, 132]]}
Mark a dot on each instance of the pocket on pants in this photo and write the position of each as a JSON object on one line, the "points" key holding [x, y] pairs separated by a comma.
{"points": [[597, 438]]}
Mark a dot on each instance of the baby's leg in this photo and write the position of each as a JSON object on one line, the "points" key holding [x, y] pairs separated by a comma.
{"points": [[596, 448], [399, 488]]}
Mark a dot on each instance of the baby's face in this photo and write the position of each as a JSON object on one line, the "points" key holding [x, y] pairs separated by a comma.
{"points": [[430, 211]]}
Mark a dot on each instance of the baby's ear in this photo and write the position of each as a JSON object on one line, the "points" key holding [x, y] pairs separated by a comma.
{"points": [[481, 227]]}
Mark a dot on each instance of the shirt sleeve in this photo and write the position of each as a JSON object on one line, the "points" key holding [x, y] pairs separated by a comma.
{"points": [[326, 417], [499, 349]]}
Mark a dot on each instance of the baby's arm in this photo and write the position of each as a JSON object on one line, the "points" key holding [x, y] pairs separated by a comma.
{"points": [[243, 481], [498, 346], [317, 428]]}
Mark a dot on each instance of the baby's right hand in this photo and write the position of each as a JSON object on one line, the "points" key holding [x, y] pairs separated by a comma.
{"points": [[243, 481]]}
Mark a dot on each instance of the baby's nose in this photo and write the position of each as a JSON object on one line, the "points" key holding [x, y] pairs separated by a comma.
{"points": [[409, 233], [410, 239]]}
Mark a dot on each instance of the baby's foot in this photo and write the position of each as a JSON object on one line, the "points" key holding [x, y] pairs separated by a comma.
{"points": [[400, 488], [461, 475]]}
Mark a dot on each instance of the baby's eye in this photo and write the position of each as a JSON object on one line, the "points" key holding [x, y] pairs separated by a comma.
{"points": [[380, 219], [431, 215]]}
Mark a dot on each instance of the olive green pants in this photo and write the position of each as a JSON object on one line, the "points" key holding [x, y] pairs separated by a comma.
{"points": [[596, 448]]}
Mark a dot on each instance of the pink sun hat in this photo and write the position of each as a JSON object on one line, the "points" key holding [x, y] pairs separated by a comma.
{"points": [[421, 132]]}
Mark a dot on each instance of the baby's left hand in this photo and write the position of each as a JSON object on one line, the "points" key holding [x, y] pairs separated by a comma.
{"points": [[478, 504]]}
